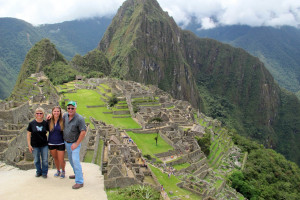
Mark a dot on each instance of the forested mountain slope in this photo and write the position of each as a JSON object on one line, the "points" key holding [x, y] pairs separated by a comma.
{"points": [[144, 44], [278, 48]]}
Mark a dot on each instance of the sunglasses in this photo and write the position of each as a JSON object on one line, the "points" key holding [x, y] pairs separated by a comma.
{"points": [[39, 113], [70, 108]]}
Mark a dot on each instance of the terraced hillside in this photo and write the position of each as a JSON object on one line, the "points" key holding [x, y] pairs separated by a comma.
{"points": [[123, 140]]}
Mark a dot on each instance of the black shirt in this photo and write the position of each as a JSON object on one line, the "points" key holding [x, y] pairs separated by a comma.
{"points": [[38, 133]]}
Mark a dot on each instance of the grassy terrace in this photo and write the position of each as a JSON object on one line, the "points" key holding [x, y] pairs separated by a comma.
{"points": [[92, 98], [181, 166], [170, 185], [147, 144]]}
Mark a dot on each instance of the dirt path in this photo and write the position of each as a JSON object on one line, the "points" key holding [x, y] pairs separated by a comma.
{"points": [[17, 184]]}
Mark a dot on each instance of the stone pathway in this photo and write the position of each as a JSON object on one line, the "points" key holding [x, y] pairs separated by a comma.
{"points": [[17, 184]]}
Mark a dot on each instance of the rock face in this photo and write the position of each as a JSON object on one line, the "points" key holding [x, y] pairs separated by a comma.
{"points": [[143, 44]]}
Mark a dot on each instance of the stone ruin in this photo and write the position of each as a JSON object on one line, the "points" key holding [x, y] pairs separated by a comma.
{"points": [[14, 118], [122, 162]]}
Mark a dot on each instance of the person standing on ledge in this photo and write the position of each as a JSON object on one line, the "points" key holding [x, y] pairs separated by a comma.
{"points": [[74, 132], [37, 142], [56, 142]]}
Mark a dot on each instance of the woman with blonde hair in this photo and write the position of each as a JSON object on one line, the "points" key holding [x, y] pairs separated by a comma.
{"points": [[56, 142], [37, 142]]}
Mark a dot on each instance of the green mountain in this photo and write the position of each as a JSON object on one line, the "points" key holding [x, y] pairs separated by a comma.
{"points": [[17, 37], [278, 48], [44, 57], [144, 44], [75, 37], [40, 55]]}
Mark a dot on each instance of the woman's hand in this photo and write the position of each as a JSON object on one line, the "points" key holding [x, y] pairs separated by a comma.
{"points": [[30, 148], [48, 117]]}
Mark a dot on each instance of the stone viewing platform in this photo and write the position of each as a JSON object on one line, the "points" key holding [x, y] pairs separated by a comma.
{"points": [[16, 184]]}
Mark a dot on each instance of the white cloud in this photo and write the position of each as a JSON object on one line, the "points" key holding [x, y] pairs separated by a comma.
{"points": [[54, 11], [207, 23], [223, 12]]}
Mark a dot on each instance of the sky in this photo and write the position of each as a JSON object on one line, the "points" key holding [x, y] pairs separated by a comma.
{"points": [[208, 13]]}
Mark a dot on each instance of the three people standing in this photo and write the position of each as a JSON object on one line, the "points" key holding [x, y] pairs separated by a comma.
{"points": [[66, 131]]}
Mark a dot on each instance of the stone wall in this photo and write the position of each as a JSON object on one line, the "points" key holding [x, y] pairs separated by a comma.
{"points": [[16, 147], [166, 139], [166, 154], [17, 115], [84, 144], [120, 182]]}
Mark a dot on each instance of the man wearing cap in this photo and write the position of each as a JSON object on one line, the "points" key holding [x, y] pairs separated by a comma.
{"points": [[74, 132]]}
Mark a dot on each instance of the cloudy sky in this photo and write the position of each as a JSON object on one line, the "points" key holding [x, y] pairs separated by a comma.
{"points": [[208, 13]]}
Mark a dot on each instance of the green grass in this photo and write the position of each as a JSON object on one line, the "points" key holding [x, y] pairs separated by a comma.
{"points": [[99, 152], [134, 192], [171, 107], [91, 98], [181, 166], [170, 185], [105, 86], [202, 122], [88, 156], [146, 143]]}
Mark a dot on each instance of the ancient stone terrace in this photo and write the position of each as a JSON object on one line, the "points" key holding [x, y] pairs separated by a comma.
{"points": [[122, 162], [13, 123]]}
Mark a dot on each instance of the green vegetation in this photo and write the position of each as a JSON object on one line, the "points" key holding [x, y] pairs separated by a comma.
{"points": [[205, 142], [40, 55], [60, 72], [181, 166], [279, 57], [14, 46], [92, 98], [88, 156], [267, 174], [169, 184], [113, 100], [134, 192], [93, 64], [146, 143], [99, 152], [156, 121]]}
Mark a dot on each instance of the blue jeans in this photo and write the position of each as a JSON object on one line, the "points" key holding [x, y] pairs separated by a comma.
{"points": [[74, 159], [39, 152]]}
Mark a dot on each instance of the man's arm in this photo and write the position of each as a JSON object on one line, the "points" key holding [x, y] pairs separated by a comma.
{"points": [[80, 138]]}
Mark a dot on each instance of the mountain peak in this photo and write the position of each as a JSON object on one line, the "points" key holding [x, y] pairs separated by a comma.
{"points": [[43, 53], [143, 44]]}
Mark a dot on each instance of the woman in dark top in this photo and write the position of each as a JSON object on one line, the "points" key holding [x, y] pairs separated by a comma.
{"points": [[56, 142], [37, 142]]}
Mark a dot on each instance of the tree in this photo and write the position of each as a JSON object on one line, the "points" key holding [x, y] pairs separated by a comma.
{"points": [[156, 121], [113, 100], [204, 142]]}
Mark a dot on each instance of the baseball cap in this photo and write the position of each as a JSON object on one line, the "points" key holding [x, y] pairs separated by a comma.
{"points": [[73, 103]]}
